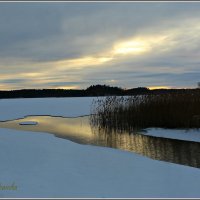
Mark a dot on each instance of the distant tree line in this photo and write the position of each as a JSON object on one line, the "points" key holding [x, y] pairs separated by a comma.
{"points": [[92, 91]]}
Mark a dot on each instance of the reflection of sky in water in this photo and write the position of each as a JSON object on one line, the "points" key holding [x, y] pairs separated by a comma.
{"points": [[75, 129], [81, 131]]}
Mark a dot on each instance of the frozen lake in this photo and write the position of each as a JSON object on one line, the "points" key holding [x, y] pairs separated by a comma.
{"points": [[148, 163]]}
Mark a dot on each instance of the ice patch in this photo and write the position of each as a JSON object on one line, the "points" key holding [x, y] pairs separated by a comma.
{"points": [[28, 123]]}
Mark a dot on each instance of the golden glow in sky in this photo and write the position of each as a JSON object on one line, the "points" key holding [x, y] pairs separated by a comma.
{"points": [[131, 47], [83, 62], [67, 87], [158, 87], [125, 45], [138, 45]]}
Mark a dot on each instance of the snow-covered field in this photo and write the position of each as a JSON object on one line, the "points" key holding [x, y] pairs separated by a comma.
{"points": [[41, 165], [66, 107]]}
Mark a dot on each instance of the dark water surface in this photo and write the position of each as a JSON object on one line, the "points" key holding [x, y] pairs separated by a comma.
{"points": [[81, 131]]}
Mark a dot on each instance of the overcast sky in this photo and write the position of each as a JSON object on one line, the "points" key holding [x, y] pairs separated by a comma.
{"points": [[75, 45]]}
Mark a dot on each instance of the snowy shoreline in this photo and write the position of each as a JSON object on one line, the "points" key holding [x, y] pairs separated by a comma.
{"points": [[42, 165]]}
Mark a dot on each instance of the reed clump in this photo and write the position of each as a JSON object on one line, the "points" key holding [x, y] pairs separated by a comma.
{"points": [[173, 110]]}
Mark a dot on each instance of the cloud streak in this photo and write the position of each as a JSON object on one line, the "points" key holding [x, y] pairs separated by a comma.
{"points": [[74, 45]]}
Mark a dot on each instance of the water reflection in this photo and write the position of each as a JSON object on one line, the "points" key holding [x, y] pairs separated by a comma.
{"points": [[81, 131]]}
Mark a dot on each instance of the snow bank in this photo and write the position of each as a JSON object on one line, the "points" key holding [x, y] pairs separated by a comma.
{"points": [[181, 134], [41, 165], [68, 107]]}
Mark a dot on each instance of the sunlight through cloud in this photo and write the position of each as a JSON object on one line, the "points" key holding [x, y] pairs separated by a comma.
{"points": [[158, 87], [131, 47]]}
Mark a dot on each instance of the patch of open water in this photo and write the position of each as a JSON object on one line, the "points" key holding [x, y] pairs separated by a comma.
{"points": [[80, 130]]}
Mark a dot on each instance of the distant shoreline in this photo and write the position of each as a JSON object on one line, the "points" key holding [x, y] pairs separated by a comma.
{"points": [[92, 91]]}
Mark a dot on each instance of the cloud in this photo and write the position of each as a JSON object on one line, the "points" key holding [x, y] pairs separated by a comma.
{"points": [[78, 44]]}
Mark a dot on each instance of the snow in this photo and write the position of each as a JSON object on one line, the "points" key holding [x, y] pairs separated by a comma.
{"points": [[41, 165], [184, 134], [66, 107], [45, 166], [28, 123]]}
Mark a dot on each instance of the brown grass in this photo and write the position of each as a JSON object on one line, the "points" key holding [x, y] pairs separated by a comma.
{"points": [[163, 110]]}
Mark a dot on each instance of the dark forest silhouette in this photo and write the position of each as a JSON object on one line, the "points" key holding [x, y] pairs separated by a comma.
{"points": [[93, 90]]}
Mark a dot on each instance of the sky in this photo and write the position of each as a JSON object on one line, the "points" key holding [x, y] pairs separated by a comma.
{"points": [[73, 45]]}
